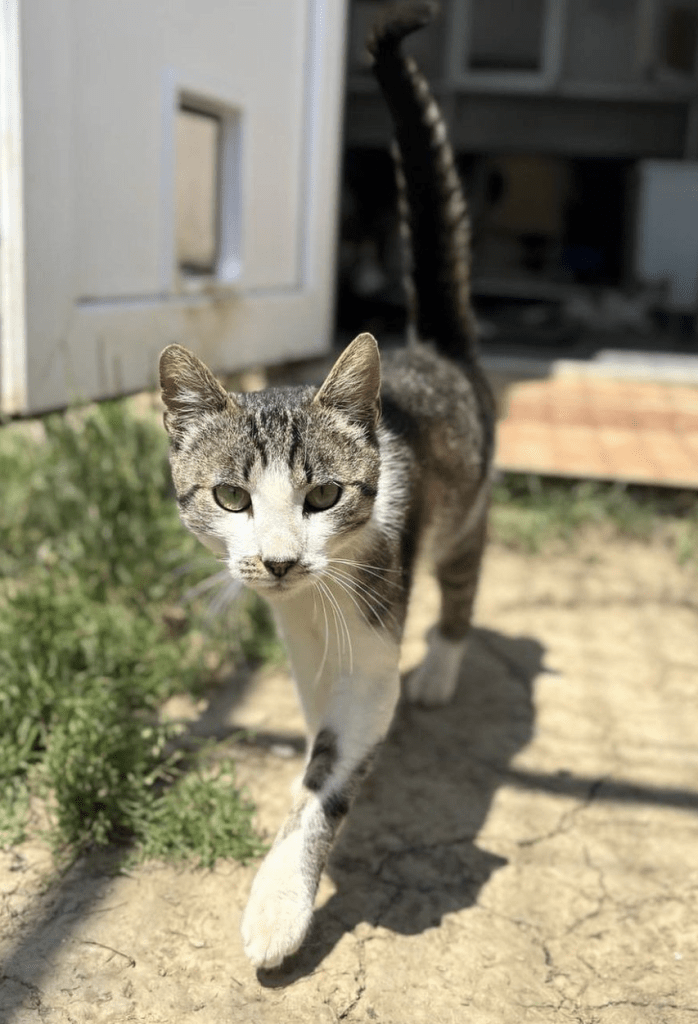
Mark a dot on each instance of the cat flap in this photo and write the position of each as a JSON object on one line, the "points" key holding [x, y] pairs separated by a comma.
{"points": [[353, 383], [188, 387]]}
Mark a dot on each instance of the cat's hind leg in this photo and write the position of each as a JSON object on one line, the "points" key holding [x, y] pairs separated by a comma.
{"points": [[434, 681]]}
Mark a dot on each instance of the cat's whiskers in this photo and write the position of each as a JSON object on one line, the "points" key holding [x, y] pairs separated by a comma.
{"points": [[323, 660], [375, 570], [192, 564], [361, 588], [324, 593], [355, 599], [216, 579], [366, 592], [379, 631], [221, 601], [345, 629], [343, 640], [227, 589], [350, 587]]}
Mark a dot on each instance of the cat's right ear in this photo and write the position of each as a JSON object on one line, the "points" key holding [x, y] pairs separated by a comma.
{"points": [[188, 388]]}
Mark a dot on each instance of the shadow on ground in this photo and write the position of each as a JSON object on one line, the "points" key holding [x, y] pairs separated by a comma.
{"points": [[408, 853]]}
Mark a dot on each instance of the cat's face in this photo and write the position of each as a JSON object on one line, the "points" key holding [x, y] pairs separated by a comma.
{"points": [[278, 484]]}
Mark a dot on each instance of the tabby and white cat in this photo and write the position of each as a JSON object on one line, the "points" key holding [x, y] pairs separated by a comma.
{"points": [[320, 500]]}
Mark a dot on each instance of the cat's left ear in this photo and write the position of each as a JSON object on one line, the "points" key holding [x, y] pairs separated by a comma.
{"points": [[353, 383]]}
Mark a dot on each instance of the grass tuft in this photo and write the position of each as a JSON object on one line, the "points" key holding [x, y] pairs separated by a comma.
{"points": [[92, 559], [531, 513], [201, 816]]}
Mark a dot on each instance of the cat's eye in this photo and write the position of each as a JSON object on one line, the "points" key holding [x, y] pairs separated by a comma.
{"points": [[322, 497], [232, 499]]}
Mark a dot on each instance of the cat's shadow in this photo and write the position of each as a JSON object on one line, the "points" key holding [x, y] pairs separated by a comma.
{"points": [[408, 854]]}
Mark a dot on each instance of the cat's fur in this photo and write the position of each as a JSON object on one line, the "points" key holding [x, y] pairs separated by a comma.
{"points": [[410, 446]]}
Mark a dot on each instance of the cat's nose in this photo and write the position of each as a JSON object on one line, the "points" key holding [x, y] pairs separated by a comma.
{"points": [[279, 568]]}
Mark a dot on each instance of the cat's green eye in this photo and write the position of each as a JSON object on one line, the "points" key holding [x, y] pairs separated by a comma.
{"points": [[232, 499], [322, 497]]}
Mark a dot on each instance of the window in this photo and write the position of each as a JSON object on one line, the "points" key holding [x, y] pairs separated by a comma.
{"points": [[506, 36]]}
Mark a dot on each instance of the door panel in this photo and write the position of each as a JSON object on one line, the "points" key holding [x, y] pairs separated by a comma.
{"points": [[246, 56], [102, 84]]}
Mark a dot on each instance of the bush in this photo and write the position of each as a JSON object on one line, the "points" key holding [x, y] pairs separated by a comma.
{"points": [[92, 553]]}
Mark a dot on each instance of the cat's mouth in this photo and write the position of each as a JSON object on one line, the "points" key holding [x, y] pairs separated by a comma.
{"points": [[284, 585]]}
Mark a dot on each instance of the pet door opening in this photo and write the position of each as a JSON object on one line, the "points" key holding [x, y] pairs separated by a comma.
{"points": [[208, 189], [197, 191]]}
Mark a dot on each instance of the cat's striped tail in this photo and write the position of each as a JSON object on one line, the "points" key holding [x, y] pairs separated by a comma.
{"points": [[433, 210]]}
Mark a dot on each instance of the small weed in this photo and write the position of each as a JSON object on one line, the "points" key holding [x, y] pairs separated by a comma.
{"points": [[92, 556], [530, 513], [202, 816], [14, 810]]}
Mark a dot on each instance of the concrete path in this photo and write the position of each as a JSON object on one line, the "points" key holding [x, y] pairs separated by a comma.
{"points": [[529, 854]]}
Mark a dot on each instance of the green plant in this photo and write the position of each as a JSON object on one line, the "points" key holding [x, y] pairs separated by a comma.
{"points": [[92, 556], [201, 816], [531, 512]]}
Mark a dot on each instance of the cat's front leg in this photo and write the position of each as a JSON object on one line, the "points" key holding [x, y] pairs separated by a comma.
{"points": [[350, 716], [280, 907]]}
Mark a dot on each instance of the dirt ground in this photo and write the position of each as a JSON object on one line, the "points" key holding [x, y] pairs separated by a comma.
{"points": [[528, 854]]}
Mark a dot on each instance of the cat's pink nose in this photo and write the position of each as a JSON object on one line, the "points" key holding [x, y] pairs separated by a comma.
{"points": [[279, 569]]}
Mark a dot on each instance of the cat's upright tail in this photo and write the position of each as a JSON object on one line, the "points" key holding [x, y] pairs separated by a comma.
{"points": [[433, 210]]}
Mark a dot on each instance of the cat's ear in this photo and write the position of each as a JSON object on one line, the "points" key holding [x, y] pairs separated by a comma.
{"points": [[188, 388], [353, 383]]}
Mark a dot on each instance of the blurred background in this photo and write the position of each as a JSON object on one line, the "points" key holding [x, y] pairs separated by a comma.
{"points": [[217, 174], [576, 129]]}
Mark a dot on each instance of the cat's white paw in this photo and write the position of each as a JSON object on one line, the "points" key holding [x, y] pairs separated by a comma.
{"points": [[434, 681], [280, 908]]}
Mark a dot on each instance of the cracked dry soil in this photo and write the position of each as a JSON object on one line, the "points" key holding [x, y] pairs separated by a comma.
{"points": [[527, 854]]}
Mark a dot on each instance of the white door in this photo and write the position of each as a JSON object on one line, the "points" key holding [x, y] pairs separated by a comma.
{"points": [[666, 250], [109, 105]]}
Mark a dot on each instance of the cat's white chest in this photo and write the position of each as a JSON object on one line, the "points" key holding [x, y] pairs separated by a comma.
{"points": [[334, 649]]}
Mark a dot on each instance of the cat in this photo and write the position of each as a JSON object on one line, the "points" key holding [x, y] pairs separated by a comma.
{"points": [[321, 499]]}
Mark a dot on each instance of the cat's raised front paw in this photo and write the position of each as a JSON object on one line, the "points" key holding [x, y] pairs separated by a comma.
{"points": [[279, 911]]}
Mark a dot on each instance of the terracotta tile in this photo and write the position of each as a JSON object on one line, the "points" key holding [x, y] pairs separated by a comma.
{"points": [[577, 450], [524, 446], [689, 441], [625, 454], [683, 396], [623, 430], [670, 454]]}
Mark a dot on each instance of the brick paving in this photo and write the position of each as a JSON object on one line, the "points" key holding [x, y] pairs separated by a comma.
{"points": [[638, 432]]}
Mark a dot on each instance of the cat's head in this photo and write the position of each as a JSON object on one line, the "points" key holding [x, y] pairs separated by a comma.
{"points": [[276, 482]]}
